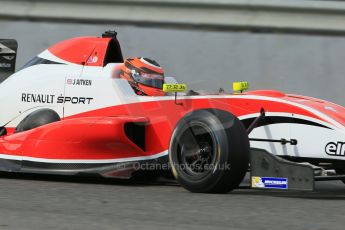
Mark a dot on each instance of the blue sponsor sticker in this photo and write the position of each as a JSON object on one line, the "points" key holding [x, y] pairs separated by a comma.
{"points": [[269, 182]]}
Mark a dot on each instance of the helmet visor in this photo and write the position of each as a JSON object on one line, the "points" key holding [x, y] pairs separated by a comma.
{"points": [[149, 79]]}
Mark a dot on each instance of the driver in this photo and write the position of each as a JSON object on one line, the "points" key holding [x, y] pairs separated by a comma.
{"points": [[145, 76]]}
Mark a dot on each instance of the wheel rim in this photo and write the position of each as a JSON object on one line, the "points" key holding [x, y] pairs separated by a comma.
{"points": [[197, 150]]}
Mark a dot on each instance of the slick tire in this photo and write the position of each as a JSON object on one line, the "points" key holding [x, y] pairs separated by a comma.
{"points": [[340, 169], [209, 151]]}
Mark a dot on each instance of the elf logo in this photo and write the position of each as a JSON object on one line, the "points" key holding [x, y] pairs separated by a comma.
{"points": [[335, 149]]}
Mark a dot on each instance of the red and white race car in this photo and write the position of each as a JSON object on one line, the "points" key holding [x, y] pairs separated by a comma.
{"points": [[65, 113]]}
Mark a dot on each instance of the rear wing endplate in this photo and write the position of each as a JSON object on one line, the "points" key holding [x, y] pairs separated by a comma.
{"points": [[8, 54]]}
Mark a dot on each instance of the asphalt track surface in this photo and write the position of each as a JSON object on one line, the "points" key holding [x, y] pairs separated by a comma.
{"points": [[50, 202]]}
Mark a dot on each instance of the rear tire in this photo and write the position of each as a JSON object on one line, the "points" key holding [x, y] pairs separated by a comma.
{"points": [[209, 151], [37, 118], [340, 169]]}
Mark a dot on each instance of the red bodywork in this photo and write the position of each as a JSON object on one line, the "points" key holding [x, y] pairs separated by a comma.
{"points": [[100, 134], [82, 50]]}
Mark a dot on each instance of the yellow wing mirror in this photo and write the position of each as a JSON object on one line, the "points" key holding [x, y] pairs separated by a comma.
{"points": [[240, 86]]}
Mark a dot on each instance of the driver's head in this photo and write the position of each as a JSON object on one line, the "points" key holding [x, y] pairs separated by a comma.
{"points": [[145, 76]]}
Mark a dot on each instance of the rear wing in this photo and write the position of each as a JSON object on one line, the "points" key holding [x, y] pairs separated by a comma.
{"points": [[8, 54]]}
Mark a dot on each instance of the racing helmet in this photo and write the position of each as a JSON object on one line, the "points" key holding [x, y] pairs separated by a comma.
{"points": [[145, 76]]}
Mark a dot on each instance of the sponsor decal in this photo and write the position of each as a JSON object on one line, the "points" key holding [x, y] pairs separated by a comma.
{"points": [[74, 100], [38, 98], [50, 99], [269, 182], [6, 50], [9, 58], [330, 108], [79, 82], [92, 59], [5, 65], [335, 148]]}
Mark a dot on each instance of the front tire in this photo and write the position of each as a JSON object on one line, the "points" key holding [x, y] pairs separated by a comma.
{"points": [[209, 151]]}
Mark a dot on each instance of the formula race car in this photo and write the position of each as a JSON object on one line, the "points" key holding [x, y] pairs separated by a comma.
{"points": [[64, 112]]}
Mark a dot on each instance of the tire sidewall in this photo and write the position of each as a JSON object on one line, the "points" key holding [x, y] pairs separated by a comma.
{"points": [[222, 125]]}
